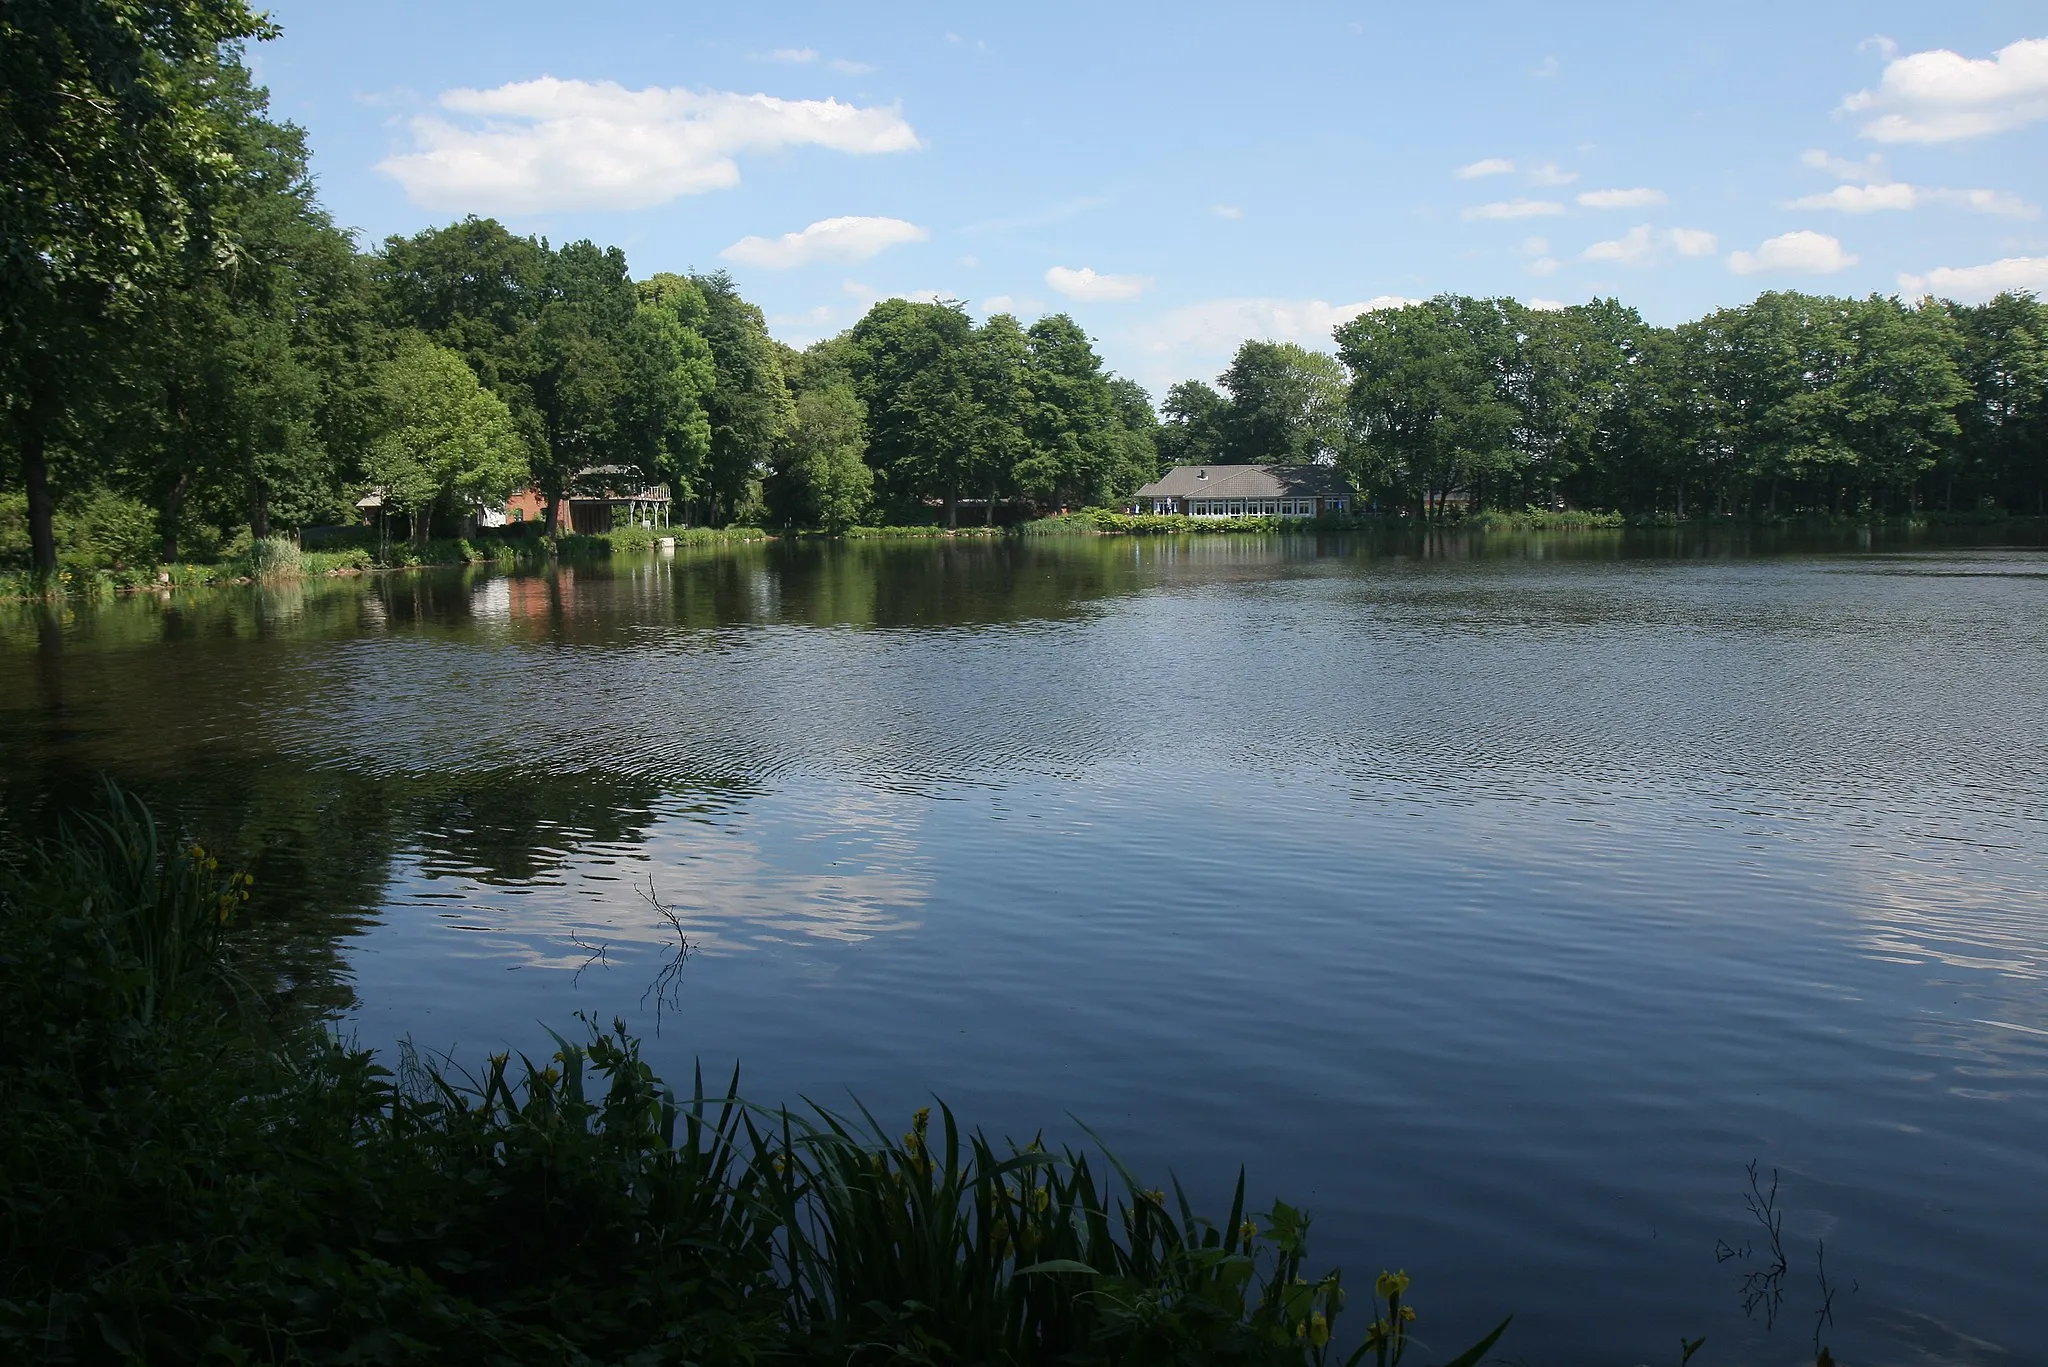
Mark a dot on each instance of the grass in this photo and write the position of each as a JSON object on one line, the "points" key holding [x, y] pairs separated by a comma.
{"points": [[1107, 521], [194, 1177]]}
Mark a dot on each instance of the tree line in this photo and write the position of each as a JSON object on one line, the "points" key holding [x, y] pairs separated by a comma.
{"points": [[191, 349], [1791, 404], [191, 346]]}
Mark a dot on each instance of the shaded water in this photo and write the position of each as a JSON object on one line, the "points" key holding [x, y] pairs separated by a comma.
{"points": [[1498, 900]]}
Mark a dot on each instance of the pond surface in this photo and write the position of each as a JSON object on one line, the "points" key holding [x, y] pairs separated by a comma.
{"points": [[1500, 901]]}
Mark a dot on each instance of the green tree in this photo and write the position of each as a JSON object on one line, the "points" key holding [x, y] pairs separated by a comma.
{"points": [[1071, 421], [913, 368], [749, 404], [1900, 389], [446, 439], [664, 425], [1136, 436], [1286, 406], [107, 170], [232, 396], [1425, 404], [579, 368], [1192, 426], [478, 290], [2000, 452], [821, 476]]}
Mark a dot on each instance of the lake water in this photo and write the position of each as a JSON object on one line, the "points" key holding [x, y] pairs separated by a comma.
{"points": [[1500, 901]]}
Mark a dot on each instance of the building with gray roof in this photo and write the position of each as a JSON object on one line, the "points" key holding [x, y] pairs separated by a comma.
{"points": [[1248, 491]]}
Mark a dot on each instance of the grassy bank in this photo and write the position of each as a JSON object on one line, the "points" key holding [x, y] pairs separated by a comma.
{"points": [[279, 558], [1109, 522], [193, 1176]]}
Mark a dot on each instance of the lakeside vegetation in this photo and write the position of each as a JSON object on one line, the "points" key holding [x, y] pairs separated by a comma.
{"points": [[199, 1175], [195, 359]]}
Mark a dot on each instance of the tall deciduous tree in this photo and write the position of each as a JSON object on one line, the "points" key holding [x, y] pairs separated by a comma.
{"points": [[1191, 430], [446, 439], [1425, 403], [1286, 405], [107, 169], [821, 476], [749, 405]]}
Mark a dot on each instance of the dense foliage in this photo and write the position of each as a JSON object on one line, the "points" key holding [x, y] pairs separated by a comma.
{"points": [[194, 1175]]}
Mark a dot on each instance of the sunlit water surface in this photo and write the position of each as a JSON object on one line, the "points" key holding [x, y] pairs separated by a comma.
{"points": [[1498, 901]]}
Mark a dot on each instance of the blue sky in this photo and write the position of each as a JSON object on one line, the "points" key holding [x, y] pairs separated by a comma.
{"points": [[1180, 177]]}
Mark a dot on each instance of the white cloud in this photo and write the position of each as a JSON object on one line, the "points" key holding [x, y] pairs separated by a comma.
{"points": [[1871, 168], [1515, 208], [1000, 303], [829, 239], [1220, 324], [1550, 173], [1545, 265], [2001, 202], [1086, 284], [851, 68], [794, 54], [1974, 284], [1546, 305], [1693, 241], [1491, 166], [1862, 199], [1941, 96], [1889, 195], [1642, 198], [1634, 248], [867, 295], [1643, 245], [1227, 210], [1545, 69], [550, 144], [1800, 253]]}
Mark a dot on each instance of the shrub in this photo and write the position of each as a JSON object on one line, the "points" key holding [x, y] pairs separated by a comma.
{"points": [[273, 557]]}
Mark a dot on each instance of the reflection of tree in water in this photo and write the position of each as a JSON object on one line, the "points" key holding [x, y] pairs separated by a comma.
{"points": [[321, 843], [514, 827]]}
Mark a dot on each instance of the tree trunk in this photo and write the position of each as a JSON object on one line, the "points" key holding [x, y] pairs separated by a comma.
{"points": [[952, 510], [989, 514], [174, 504], [42, 509], [422, 518], [553, 514], [259, 509]]}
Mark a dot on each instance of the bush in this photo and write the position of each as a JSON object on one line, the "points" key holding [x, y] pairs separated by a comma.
{"points": [[1535, 519]]}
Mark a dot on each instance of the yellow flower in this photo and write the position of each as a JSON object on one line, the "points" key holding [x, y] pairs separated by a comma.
{"points": [[1247, 1231], [1391, 1284], [1408, 1313]]}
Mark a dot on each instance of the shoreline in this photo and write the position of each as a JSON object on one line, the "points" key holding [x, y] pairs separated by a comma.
{"points": [[352, 562]]}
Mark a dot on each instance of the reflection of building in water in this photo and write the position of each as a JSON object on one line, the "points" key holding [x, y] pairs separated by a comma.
{"points": [[1247, 491]]}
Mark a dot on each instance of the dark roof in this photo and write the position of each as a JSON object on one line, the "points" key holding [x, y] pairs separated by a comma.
{"points": [[1249, 481]]}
